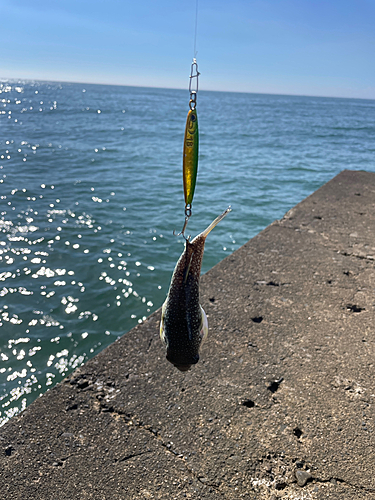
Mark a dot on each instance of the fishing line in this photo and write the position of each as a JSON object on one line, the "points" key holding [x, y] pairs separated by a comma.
{"points": [[191, 137], [195, 33]]}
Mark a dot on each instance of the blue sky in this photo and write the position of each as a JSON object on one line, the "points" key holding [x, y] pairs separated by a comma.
{"points": [[323, 48]]}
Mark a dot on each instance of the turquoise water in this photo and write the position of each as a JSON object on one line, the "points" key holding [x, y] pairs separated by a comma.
{"points": [[91, 191]]}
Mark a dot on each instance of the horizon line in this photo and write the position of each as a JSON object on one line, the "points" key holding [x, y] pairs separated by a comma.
{"points": [[7, 79]]}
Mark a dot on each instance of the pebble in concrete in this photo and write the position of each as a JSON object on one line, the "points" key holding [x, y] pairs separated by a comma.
{"points": [[302, 477]]}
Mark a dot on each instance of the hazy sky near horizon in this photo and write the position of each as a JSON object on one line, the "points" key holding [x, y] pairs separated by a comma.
{"points": [[322, 48]]}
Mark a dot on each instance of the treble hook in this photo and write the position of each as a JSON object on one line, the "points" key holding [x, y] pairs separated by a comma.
{"points": [[187, 217]]}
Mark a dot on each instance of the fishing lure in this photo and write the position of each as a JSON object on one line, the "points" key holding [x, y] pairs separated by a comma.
{"points": [[184, 325], [191, 145], [190, 156]]}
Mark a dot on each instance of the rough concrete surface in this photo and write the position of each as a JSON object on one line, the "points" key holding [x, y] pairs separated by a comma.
{"points": [[281, 404]]}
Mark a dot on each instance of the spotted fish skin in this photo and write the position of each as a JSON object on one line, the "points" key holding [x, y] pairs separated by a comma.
{"points": [[184, 325]]}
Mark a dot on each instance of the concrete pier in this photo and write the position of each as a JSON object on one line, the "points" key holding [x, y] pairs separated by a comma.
{"points": [[281, 404]]}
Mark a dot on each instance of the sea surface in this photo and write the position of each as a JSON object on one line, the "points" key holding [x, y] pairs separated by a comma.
{"points": [[91, 192]]}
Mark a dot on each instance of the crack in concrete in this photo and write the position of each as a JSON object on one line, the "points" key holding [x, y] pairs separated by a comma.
{"points": [[343, 481], [131, 420], [149, 344], [133, 455], [279, 459], [368, 258]]}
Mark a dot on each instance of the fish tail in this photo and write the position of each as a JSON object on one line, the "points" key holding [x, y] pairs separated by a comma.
{"points": [[215, 222]]}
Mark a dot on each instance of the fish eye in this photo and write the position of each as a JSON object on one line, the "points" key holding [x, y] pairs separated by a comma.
{"points": [[193, 118]]}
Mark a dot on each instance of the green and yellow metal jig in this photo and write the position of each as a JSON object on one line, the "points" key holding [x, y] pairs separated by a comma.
{"points": [[191, 145]]}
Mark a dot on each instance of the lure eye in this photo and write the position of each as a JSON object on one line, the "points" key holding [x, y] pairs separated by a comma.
{"points": [[193, 118]]}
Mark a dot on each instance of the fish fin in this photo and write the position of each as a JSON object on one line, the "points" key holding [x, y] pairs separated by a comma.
{"points": [[204, 325], [215, 222], [162, 332]]}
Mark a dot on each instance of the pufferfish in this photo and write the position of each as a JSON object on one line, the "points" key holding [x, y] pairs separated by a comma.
{"points": [[184, 325]]}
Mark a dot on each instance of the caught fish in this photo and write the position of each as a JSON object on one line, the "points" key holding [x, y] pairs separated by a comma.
{"points": [[190, 155], [184, 325]]}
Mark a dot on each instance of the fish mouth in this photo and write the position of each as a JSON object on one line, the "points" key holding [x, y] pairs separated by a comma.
{"points": [[183, 368], [182, 363]]}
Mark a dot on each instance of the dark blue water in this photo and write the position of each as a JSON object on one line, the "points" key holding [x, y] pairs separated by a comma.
{"points": [[91, 191]]}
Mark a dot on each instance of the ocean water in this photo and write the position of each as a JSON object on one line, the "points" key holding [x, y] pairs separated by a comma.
{"points": [[91, 191]]}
